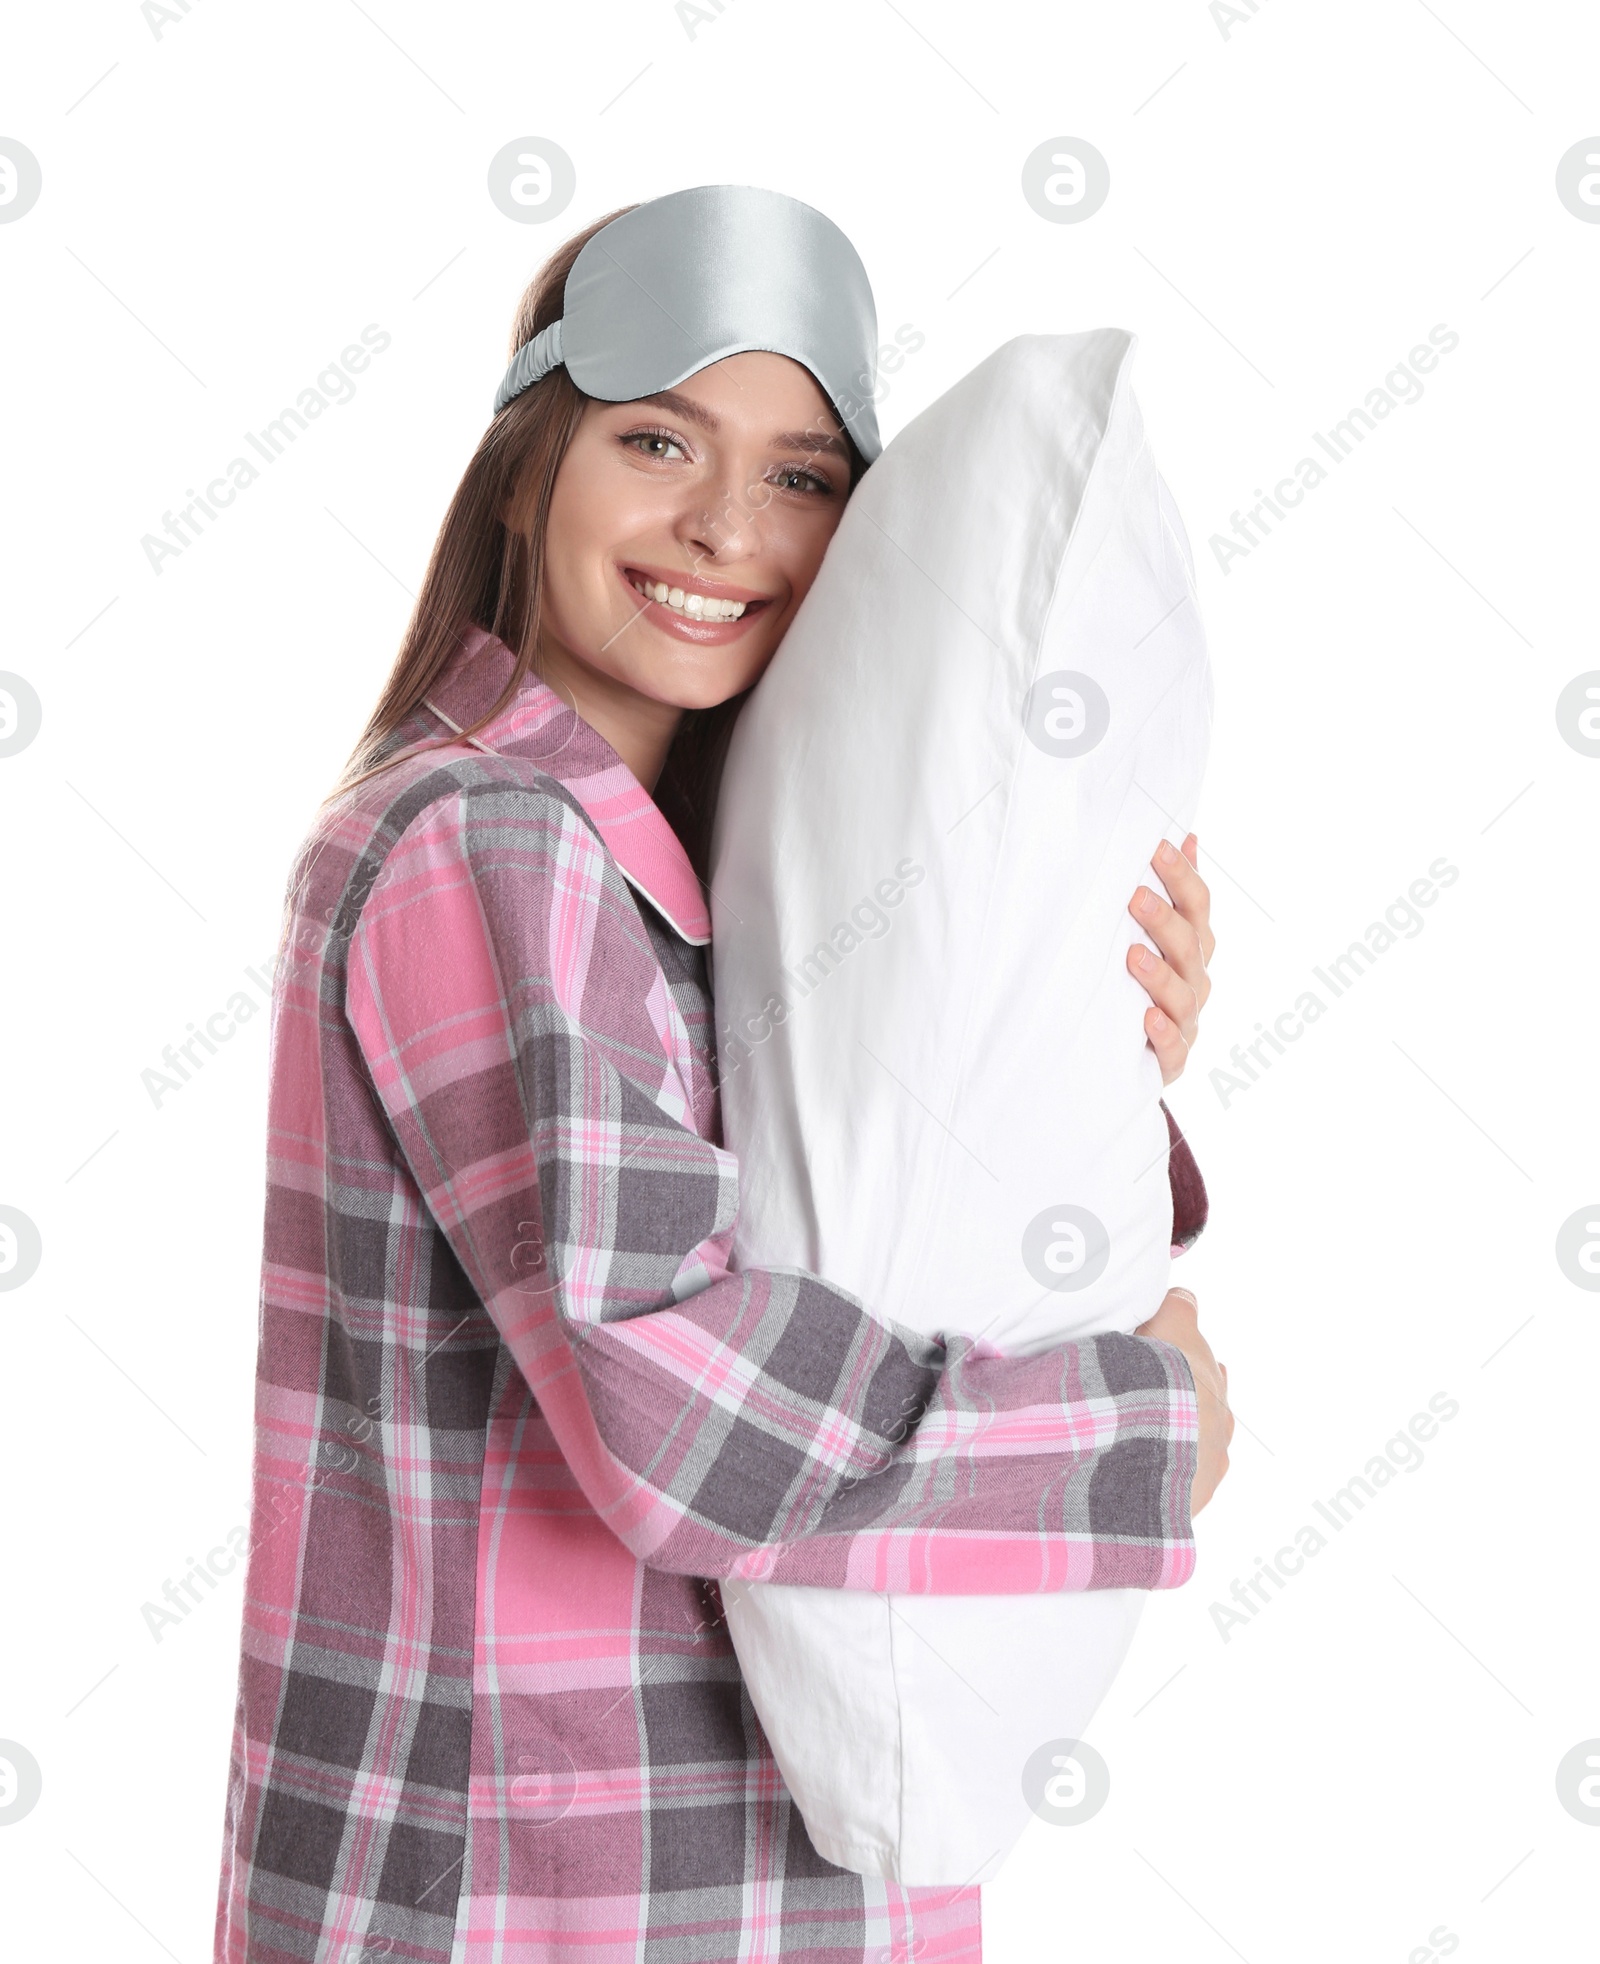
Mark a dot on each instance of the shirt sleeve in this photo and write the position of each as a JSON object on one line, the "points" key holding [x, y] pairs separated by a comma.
{"points": [[1191, 1206], [755, 1424]]}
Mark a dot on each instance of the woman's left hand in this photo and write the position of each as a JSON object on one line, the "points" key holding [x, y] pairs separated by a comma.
{"points": [[1177, 986]]}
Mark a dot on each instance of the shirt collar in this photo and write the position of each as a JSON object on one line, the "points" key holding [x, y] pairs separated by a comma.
{"points": [[539, 726]]}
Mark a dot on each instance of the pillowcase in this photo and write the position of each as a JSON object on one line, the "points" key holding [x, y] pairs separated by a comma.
{"points": [[991, 706]]}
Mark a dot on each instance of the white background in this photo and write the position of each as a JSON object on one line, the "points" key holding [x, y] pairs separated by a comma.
{"points": [[1294, 204]]}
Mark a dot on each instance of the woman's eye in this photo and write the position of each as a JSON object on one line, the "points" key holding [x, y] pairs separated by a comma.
{"points": [[655, 443], [792, 478]]}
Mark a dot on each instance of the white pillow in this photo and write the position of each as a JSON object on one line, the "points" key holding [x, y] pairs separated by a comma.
{"points": [[992, 705]]}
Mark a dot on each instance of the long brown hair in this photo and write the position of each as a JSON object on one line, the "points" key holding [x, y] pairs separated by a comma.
{"points": [[488, 573], [483, 572]]}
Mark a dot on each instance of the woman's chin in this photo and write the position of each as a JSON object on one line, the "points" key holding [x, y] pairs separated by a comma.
{"points": [[703, 685]]}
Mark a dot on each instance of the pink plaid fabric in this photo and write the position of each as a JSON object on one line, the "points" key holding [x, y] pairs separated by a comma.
{"points": [[516, 1416]]}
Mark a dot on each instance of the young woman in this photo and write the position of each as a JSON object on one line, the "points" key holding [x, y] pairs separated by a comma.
{"points": [[515, 1414]]}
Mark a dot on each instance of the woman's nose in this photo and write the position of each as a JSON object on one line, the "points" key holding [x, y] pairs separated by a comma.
{"points": [[721, 523]]}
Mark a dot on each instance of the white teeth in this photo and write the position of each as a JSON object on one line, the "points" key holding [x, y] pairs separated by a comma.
{"points": [[697, 606]]}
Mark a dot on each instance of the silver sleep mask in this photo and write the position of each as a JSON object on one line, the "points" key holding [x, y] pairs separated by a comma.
{"points": [[688, 279]]}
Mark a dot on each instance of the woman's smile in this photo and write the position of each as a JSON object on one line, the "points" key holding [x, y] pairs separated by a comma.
{"points": [[691, 607]]}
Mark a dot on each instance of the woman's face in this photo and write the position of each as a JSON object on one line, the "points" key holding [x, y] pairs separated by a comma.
{"points": [[685, 529]]}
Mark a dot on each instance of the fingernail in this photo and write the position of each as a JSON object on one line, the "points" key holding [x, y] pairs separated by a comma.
{"points": [[1158, 1022], [1165, 853], [1145, 901], [1142, 958]]}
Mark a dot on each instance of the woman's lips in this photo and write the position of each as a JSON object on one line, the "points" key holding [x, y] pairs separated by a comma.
{"points": [[692, 609]]}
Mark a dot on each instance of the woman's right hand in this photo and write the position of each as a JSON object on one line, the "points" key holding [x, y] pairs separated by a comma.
{"points": [[1177, 1322]]}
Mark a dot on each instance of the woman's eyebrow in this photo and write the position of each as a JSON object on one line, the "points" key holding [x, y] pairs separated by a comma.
{"points": [[682, 406], [812, 440]]}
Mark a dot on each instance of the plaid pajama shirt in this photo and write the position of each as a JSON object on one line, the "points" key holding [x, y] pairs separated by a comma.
{"points": [[517, 1418]]}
